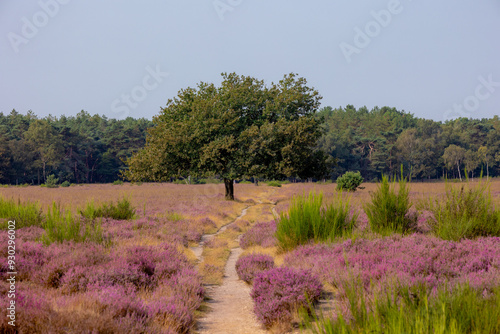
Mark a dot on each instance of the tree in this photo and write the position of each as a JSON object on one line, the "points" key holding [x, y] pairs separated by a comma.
{"points": [[471, 160], [241, 128], [454, 155]]}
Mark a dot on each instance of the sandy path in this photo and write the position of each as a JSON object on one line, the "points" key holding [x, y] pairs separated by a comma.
{"points": [[231, 307]]}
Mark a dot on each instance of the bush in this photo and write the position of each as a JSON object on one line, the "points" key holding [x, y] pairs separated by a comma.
{"points": [[65, 184], [465, 212], [51, 182], [280, 293], [274, 184], [350, 181], [117, 183], [25, 214], [249, 265], [261, 234], [123, 210], [388, 211], [307, 220]]}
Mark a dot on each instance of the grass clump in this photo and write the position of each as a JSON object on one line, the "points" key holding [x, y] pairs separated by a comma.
{"points": [[25, 214], [388, 212], [465, 212], [308, 220], [122, 210], [274, 183], [350, 181], [414, 310], [62, 226]]}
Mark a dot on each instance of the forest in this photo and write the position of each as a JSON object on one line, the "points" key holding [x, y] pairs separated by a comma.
{"points": [[92, 149]]}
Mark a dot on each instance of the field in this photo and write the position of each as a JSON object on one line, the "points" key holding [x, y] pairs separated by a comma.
{"points": [[185, 260]]}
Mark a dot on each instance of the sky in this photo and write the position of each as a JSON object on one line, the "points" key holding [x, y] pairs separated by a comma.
{"points": [[436, 59]]}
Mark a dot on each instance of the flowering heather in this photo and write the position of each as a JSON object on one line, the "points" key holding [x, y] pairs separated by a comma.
{"points": [[250, 265], [279, 293], [412, 260], [261, 234]]}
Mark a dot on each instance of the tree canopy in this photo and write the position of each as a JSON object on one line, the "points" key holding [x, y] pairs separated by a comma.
{"points": [[241, 128]]}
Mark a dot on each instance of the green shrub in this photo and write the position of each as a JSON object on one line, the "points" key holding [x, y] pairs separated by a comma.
{"points": [[123, 210], [307, 220], [51, 182], [245, 182], [65, 184], [416, 310], [25, 214], [274, 183], [387, 212], [62, 226], [117, 183], [465, 212], [350, 181]]}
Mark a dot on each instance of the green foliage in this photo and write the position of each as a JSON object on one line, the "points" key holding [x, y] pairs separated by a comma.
{"points": [[274, 183], [51, 182], [245, 182], [174, 216], [63, 226], [123, 210], [307, 220], [350, 181], [65, 184], [117, 183], [465, 212], [387, 211], [238, 129], [416, 311], [24, 214]]}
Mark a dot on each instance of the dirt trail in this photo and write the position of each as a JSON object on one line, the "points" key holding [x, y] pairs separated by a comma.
{"points": [[231, 307]]}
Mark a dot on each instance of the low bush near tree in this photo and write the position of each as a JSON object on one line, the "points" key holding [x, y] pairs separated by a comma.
{"points": [[350, 181]]}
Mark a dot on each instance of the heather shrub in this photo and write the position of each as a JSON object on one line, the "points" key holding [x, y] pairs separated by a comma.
{"points": [[350, 181], [261, 234], [250, 265], [307, 220], [465, 212], [388, 212], [280, 293], [123, 210], [25, 214]]}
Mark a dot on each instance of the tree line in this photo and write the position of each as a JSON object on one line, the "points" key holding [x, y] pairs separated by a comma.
{"points": [[79, 149], [92, 149], [380, 140]]}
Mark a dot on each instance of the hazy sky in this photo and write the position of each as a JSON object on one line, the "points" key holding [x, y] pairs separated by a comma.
{"points": [[435, 59]]}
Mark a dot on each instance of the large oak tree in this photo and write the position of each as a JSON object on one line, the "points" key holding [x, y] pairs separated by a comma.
{"points": [[240, 128]]}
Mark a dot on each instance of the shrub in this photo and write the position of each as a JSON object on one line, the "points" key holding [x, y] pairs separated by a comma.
{"points": [[65, 184], [249, 265], [25, 214], [465, 212], [117, 183], [281, 292], [307, 220], [388, 211], [51, 182], [123, 210], [274, 183], [261, 234], [350, 181]]}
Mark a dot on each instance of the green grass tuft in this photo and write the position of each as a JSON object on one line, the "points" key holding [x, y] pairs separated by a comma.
{"points": [[24, 213]]}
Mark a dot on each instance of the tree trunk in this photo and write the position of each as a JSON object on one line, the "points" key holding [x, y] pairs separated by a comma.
{"points": [[487, 172], [229, 189], [459, 174]]}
